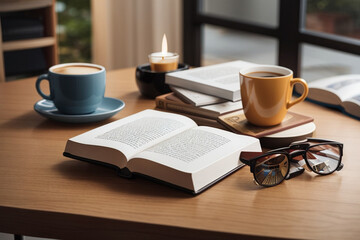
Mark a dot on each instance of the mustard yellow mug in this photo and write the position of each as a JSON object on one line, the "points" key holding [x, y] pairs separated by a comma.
{"points": [[266, 93]]}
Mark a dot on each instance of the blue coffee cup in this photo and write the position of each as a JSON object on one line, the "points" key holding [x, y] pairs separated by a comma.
{"points": [[75, 88]]}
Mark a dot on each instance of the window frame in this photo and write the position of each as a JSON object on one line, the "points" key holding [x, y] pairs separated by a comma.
{"points": [[290, 33]]}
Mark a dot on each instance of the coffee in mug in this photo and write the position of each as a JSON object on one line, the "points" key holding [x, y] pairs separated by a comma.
{"points": [[264, 74], [75, 88], [266, 93], [76, 70]]}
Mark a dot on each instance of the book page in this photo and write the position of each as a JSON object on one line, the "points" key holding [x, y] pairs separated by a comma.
{"points": [[195, 149], [355, 99], [136, 132]]}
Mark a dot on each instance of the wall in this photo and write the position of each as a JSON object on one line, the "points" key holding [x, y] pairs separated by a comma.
{"points": [[125, 32]]}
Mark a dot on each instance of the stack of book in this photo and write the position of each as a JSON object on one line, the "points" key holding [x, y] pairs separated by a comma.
{"points": [[210, 95]]}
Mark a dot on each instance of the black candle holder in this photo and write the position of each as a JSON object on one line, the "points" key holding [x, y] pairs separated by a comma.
{"points": [[152, 84]]}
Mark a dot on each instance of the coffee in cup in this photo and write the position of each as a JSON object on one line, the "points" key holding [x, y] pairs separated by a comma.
{"points": [[264, 74], [75, 88], [76, 70], [266, 93]]}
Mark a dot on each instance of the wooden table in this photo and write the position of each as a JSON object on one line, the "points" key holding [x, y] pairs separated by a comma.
{"points": [[45, 194]]}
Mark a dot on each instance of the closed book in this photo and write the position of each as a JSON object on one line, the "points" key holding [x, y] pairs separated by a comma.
{"points": [[220, 80], [195, 98], [172, 103]]}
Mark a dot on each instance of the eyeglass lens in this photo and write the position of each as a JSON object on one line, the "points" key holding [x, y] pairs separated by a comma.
{"points": [[324, 158], [271, 169]]}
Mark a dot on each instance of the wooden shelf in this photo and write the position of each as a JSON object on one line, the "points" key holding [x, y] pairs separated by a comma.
{"points": [[47, 10], [21, 5], [28, 44]]}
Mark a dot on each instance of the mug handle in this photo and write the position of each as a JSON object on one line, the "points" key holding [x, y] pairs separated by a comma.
{"points": [[40, 78], [304, 94]]}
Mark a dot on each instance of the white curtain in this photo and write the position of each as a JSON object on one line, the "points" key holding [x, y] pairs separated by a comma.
{"points": [[125, 32]]}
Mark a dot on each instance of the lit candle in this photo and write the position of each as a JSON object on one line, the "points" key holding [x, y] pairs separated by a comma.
{"points": [[163, 61]]}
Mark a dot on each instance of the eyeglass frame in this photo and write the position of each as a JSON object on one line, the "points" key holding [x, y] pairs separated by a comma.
{"points": [[300, 149]]}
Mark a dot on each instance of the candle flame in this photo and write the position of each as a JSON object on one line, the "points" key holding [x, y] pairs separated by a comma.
{"points": [[164, 47]]}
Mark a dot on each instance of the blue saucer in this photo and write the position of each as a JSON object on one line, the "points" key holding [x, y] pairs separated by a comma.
{"points": [[108, 108]]}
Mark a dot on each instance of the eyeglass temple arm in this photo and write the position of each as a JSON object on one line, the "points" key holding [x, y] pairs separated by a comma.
{"points": [[245, 157], [320, 140], [315, 141]]}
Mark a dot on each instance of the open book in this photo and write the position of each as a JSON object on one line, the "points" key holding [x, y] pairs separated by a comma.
{"points": [[221, 80], [166, 147], [342, 92]]}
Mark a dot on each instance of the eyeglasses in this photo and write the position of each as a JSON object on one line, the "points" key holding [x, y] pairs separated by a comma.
{"points": [[271, 168]]}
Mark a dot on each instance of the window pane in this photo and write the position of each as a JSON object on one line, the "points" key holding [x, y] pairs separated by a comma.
{"points": [[74, 30], [221, 45], [340, 17], [318, 62], [263, 12]]}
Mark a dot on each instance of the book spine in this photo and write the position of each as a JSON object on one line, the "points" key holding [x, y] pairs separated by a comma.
{"points": [[123, 172], [185, 109]]}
